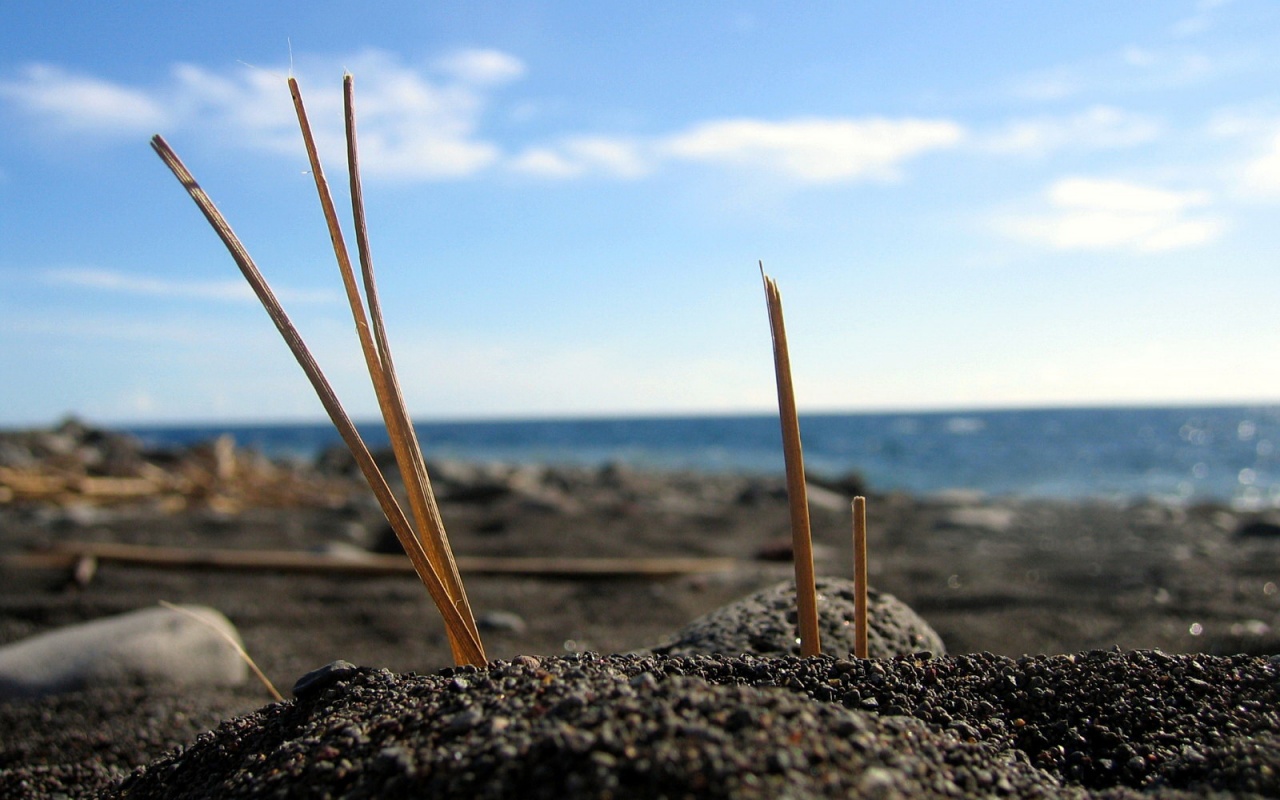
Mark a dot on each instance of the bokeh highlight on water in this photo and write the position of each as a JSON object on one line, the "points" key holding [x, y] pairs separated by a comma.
{"points": [[1224, 454]]}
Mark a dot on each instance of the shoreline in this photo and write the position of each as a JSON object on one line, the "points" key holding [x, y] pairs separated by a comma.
{"points": [[1189, 454]]}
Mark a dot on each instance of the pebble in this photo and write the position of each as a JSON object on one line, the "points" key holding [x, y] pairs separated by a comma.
{"points": [[321, 678]]}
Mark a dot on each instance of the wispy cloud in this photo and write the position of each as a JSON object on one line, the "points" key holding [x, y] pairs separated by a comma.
{"points": [[122, 283], [1054, 83], [482, 67], [815, 150], [1200, 21], [806, 151], [71, 103], [1256, 129], [1104, 214], [1097, 128], [416, 123], [1127, 70], [423, 123], [586, 155], [1261, 175]]}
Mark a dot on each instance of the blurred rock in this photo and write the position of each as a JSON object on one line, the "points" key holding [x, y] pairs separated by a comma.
{"points": [[1267, 526], [501, 622], [153, 645], [997, 519]]}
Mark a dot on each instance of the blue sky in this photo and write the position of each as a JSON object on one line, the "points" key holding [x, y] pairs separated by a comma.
{"points": [[966, 205]]}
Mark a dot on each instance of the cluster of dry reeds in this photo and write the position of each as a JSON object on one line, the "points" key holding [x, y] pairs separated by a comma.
{"points": [[424, 539]]}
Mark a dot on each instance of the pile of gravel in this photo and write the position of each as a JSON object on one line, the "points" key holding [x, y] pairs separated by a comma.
{"points": [[764, 623], [1105, 724]]}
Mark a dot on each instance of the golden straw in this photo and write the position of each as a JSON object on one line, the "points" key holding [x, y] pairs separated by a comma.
{"points": [[797, 493], [472, 650], [403, 436], [860, 577], [429, 529]]}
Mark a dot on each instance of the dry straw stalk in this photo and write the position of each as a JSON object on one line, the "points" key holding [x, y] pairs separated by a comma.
{"points": [[797, 492], [860, 577], [433, 561]]}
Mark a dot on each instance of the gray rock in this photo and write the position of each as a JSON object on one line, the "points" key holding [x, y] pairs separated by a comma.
{"points": [[996, 519], [500, 621], [153, 645], [765, 624]]}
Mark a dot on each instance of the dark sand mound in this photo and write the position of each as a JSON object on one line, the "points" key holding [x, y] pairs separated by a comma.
{"points": [[1097, 724]]}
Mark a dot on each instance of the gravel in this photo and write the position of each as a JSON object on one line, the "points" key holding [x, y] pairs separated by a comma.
{"points": [[1102, 723]]}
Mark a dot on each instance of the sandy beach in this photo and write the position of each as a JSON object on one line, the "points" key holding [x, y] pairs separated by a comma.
{"points": [[998, 576]]}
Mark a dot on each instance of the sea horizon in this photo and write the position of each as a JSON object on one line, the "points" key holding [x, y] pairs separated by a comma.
{"points": [[1226, 453]]}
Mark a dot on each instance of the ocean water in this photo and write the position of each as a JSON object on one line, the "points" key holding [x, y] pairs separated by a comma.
{"points": [[1225, 454]]}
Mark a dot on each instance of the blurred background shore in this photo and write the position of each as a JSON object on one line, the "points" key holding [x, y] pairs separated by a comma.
{"points": [[1191, 567]]}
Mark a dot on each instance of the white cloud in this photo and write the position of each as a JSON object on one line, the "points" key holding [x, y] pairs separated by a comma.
{"points": [[1136, 56], [1102, 214], [806, 150], [1200, 21], [421, 123], [123, 283], [547, 162], [410, 127], [1051, 84], [413, 126], [1261, 175], [1100, 127], [1256, 175], [79, 103], [1122, 197], [814, 150], [1128, 70], [576, 157], [482, 67]]}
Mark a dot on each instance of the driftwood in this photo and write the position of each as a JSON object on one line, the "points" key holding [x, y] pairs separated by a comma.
{"points": [[75, 555], [226, 483]]}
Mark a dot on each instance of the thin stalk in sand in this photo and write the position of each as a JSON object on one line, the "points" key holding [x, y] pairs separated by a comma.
{"points": [[860, 577], [240, 651], [429, 526], [797, 493]]}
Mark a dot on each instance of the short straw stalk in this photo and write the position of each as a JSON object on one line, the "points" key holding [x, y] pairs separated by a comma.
{"points": [[860, 577], [797, 493]]}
